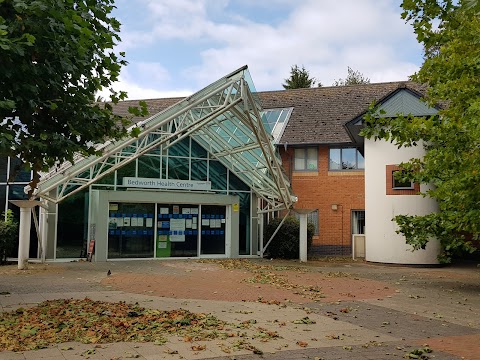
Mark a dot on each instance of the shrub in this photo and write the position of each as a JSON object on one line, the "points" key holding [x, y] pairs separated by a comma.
{"points": [[286, 243], [8, 235]]}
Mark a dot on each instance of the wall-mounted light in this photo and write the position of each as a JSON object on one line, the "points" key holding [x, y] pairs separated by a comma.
{"points": [[334, 207]]}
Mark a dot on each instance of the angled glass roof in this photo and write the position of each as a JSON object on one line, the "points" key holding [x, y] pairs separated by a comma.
{"points": [[224, 118], [275, 121]]}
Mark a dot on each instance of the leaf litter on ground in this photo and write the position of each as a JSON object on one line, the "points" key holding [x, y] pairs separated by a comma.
{"points": [[88, 321], [95, 322], [269, 274]]}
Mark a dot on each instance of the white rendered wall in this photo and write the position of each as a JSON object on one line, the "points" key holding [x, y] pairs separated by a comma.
{"points": [[383, 244]]}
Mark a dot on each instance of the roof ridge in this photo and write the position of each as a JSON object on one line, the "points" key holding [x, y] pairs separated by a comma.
{"points": [[399, 82]]}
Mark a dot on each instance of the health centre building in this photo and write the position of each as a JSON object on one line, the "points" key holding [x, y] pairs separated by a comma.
{"points": [[207, 172]]}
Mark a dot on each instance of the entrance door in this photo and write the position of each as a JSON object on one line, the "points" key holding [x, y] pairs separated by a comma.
{"points": [[130, 230], [213, 230], [177, 230]]}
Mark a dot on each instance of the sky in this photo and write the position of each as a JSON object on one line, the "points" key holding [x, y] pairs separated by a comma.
{"points": [[177, 47]]}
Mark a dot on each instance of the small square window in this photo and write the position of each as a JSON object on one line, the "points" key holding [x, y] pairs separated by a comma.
{"points": [[398, 184]]}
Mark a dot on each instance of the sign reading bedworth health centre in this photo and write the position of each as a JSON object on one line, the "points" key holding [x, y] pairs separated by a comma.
{"points": [[149, 183]]}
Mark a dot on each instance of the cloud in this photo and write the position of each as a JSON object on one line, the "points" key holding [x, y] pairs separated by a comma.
{"points": [[324, 36], [146, 80], [138, 92]]}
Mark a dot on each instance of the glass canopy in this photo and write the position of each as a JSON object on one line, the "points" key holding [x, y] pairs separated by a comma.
{"points": [[224, 118], [275, 121]]}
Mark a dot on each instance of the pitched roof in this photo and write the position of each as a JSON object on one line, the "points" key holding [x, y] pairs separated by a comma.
{"points": [[154, 106], [319, 115]]}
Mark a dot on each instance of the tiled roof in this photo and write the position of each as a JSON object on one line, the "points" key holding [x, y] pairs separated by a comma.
{"points": [[154, 106], [319, 114]]}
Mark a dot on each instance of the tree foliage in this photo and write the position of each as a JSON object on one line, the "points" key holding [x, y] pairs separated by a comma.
{"points": [[286, 243], [299, 78], [354, 77], [55, 55], [451, 71], [8, 235]]}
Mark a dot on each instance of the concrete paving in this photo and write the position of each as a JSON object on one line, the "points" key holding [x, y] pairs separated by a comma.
{"points": [[412, 307]]}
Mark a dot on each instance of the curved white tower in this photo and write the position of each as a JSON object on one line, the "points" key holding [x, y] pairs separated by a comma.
{"points": [[385, 198], [383, 244]]}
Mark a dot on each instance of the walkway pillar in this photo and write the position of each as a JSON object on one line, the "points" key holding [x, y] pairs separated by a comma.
{"points": [[24, 230], [303, 237], [303, 251]]}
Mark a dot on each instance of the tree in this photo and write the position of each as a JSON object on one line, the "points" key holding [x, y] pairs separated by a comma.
{"points": [[8, 235], [354, 77], [299, 78], [55, 55], [451, 71], [286, 243]]}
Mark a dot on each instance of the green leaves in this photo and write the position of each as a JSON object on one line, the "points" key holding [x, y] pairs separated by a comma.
{"points": [[354, 77], [55, 56], [8, 234], [299, 78]]}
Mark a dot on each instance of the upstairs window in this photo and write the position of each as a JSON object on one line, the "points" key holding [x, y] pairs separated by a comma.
{"points": [[306, 159], [275, 121], [346, 159], [399, 184]]}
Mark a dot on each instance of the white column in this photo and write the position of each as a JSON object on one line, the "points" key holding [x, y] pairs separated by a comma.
{"points": [[44, 232], [260, 226], [24, 229], [303, 237], [24, 237]]}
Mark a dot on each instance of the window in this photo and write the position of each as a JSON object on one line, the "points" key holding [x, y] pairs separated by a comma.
{"points": [[346, 159], [275, 121], [358, 221], [398, 187], [306, 159], [311, 218], [399, 184]]}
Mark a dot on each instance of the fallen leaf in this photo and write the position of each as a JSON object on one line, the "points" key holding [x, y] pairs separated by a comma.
{"points": [[170, 351], [198, 347]]}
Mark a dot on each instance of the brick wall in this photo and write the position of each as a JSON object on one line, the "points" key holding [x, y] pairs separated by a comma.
{"points": [[322, 189]]}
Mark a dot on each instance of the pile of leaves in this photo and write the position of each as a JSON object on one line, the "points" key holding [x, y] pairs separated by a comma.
{"points": [[88, 321]]}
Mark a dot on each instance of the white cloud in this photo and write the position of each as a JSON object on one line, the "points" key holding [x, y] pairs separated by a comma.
{"points": [[325, 36], [145, 80], [138, 92], [149, 71]]}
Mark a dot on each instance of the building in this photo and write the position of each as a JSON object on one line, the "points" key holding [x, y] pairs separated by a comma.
{"points": [[348, 181], [204, 176]]}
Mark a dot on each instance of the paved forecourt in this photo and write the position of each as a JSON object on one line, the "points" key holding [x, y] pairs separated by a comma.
{"points": [[274, 309]]}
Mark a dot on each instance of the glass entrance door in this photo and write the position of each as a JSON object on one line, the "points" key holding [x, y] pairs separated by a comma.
{"points": [[130, 230], [213, 230], [177, 230]]}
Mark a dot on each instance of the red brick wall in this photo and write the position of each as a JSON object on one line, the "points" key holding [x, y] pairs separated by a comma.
{"points": [[320, 190]]}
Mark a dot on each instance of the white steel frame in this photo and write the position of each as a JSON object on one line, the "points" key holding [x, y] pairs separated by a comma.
{"points": [[224, 118]]}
